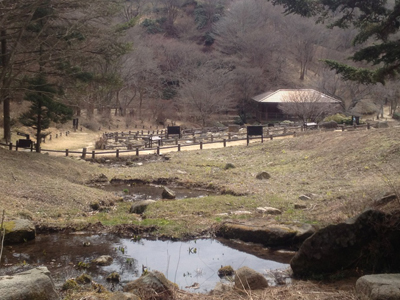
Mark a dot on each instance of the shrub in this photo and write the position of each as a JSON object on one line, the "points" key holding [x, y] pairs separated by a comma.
{"points": [[339, 119], [396, 116]]}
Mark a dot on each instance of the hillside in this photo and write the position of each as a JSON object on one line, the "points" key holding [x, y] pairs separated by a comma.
{"points": [[342, 172]]}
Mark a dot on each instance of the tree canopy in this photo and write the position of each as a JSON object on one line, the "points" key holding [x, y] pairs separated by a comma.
{"points": [[377, 21]]}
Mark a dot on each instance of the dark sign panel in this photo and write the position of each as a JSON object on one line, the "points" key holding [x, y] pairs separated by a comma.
{"points": [[254, 130], [24, 143], [174, 130]]}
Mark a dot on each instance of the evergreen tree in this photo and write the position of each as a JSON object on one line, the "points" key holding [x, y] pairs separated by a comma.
{"points": [[44, 108], [377, 20]]}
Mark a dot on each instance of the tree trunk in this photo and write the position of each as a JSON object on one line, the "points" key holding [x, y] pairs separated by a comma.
{"points": [[39, 130], [5, 93]]}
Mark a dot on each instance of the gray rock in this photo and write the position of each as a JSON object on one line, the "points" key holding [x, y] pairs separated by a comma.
{"points": [[19, 231], [28, 285], [378, 287], [369, 242], [221, 288], [248, 279], [258, 231], [104, 260], [263, 175], [168, 193], [154, 285], [140, 206], [268, 210]]}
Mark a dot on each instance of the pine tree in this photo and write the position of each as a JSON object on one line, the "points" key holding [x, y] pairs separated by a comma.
{"points": [[44, 108]]}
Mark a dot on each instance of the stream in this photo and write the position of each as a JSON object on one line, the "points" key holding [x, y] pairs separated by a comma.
{"points": [[189, 264]]}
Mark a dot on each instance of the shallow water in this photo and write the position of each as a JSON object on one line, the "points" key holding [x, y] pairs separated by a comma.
{"points": [[184, 263], [151, 191]]}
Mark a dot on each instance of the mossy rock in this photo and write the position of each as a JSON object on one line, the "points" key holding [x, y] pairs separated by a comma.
{"points": [[226, 271], [84, 279], [19, 231], [70, 284], [114, 277]]}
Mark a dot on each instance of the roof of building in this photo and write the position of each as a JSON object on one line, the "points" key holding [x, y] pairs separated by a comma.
{"points": [[282, 94]]}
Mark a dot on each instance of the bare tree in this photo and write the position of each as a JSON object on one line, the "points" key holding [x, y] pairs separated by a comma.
{"points": [[308, 105], [206, 96]]}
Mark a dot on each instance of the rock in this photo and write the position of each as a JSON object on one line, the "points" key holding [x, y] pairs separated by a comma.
{"points": [[369, 242], [225, 271], [268, 210], [28, 285], [140, 206], [168, 193], [19, 231], [104, 260], [263, 175], [304, 197], [221, 288], [229, 166], [258, 231], [248, 279], [154, 285], [114, 277], [299, 206], [240, 212], [378, 287]]}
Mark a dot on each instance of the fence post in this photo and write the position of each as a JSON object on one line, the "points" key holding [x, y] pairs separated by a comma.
{"points": [[248, 140], [116, 137], [10, 146], [343, 127], [224, 142], [262, 139], [158, 150], [194, 139], [66, 152], [229, 136], [84, 153], [368, 126], [137, 151], [271, 137], [212, 138], [117, 153], [31, 147], [201, 145], [93, 154], [179, 147]]}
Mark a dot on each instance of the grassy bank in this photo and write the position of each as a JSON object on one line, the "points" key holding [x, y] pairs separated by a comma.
{"points": [[341, 172]]}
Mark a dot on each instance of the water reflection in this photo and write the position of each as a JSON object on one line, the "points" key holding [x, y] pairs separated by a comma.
{"points": [[185, 263]]}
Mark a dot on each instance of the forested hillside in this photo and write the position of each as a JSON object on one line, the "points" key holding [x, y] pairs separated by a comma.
{"points": [[170, 59]]}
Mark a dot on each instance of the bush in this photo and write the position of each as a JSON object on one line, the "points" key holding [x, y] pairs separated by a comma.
{"points": [[396, 116], [339, 119]]}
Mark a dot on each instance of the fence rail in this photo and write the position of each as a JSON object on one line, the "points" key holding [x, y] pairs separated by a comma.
{"points": [[190, 140]]}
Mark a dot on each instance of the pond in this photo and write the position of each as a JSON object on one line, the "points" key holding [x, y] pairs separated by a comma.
{"points": [[188, 264]]}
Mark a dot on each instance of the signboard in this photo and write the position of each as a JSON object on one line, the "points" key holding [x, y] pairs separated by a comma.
{"points": [[174, 130], [254, 130], [24, 143]]}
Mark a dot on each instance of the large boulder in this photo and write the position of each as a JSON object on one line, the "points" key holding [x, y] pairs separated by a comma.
{"points": [[369, 242], [152, 285], [19, 231], [248, 279], [269, 234], [378, 287], [28, 285], [140, 206]]}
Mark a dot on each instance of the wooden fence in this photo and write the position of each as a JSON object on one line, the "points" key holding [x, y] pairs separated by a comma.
{"points": [[195, 138]]}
